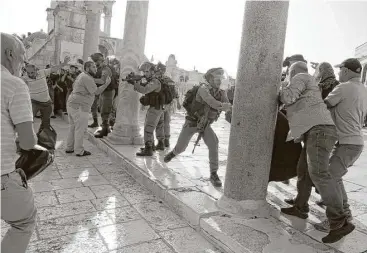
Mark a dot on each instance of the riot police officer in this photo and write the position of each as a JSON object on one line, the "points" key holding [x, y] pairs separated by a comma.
{"points": [[208, 101], [150, 86]]}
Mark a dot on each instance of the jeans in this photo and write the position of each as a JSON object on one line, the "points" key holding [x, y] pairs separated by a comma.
{"points": [[210, 140], [78, 125], [304, 183], [46, 110], [342, 157], [319, 142], [18, 210], [151, 121]]}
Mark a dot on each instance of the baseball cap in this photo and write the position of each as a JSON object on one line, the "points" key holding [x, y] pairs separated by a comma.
{"points": [[352, 64]]}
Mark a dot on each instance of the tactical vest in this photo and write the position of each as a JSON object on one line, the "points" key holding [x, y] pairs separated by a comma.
{"points": [[158, 99], [154, 99], [198, 107]]}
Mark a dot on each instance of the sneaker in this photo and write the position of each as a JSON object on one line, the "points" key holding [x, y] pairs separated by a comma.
{"points": [[215, 180], [294, 211], [85, 153], [323, 226], [337, 234]]}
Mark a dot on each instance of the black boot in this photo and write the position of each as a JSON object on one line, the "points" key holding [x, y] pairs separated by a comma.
{"points": [[147, 150], [104, 132], [94, 124], [215, 180], [160, 145], [166, 143], [169, 157]]}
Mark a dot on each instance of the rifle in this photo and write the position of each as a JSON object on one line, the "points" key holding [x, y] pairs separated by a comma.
{"points": [[201, 126], [131, 78]]}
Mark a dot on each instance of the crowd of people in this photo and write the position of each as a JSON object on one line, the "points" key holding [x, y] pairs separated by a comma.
{"points": [[324, 115]]}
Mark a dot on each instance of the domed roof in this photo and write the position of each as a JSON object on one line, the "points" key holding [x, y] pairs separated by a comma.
{"points": [[37, 35]]}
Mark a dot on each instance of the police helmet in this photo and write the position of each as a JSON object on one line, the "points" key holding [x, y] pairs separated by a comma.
{"points": [[145, 66], [160, 68]]}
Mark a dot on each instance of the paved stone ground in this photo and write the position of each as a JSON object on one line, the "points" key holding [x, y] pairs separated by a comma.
{"points": [[186, 178], [91, 204]]}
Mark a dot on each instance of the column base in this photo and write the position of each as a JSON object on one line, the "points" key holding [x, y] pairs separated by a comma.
{"points": [[246, 208], [125, 135]]}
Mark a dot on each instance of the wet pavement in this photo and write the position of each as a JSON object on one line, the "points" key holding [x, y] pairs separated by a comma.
{"points": [[183, 184], [90, 204]]}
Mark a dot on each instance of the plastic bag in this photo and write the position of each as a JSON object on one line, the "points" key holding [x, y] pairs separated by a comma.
{"points": [[47, 138], [34, 161]]}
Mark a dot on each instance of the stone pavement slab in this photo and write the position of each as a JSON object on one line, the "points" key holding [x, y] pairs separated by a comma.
{"points": [[92, 205], [183, 184]]}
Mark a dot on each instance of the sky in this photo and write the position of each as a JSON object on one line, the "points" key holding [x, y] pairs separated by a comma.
{"points": [[207, 33]]}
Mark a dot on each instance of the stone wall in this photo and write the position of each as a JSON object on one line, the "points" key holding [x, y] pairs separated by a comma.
{"points": [[45, 54]]}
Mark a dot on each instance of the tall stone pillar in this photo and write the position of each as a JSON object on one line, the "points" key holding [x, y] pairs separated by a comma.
{"points": [[126, 130], [107, 24], [255, 107], [92, 28]]}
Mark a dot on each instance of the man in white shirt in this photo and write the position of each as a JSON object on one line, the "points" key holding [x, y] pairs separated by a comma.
{"points": [[17, 201], [79, 105], [38, 89]]}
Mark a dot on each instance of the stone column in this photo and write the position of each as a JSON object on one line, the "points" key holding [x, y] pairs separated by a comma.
{"points": [[92, 28], [126, 130], [107, 24], [255, 107]]}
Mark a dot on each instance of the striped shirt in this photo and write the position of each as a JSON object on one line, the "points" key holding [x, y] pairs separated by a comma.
{"points": [[38, 87], [84, 89], [16, 108], [304, 104]]}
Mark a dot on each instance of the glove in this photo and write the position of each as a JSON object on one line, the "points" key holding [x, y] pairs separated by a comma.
{"points": [[226, 107]]}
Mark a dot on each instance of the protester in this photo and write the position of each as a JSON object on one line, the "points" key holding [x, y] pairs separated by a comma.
{"points": [[325, 78], [348, 107], [17, 200], [311, 122], [79, 105], [38, 89]]}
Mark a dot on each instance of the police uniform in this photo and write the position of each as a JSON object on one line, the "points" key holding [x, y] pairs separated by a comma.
{"points": [[165, 120], [106, 102], [211, 98], [154, 113]]}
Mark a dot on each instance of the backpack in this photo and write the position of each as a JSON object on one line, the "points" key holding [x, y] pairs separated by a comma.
{"points": [[189, 100], [114, 78], [166, 93]]}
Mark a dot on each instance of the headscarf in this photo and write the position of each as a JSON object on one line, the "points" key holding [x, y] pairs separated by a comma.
{"points": [[326, 78]]}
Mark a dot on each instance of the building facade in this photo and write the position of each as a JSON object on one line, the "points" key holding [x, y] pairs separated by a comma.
{"points": [[65, 37], [361, 54]]}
